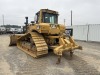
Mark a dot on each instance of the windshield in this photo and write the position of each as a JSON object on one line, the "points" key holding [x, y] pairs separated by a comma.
{"points": [[50, 18]]}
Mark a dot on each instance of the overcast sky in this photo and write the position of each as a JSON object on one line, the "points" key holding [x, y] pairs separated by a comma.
{"points": [[84, 11]]}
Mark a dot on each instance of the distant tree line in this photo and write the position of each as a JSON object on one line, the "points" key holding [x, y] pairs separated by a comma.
{"points": [[11, 26]]}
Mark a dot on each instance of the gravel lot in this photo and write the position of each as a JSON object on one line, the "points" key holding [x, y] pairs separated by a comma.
{"points": [[15, 62]]}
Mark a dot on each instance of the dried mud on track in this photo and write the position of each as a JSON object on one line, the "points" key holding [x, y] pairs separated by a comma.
{"points": [[15, 62]]}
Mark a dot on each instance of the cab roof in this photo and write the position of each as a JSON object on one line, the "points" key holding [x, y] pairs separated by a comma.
{"points": [[48, 11]]}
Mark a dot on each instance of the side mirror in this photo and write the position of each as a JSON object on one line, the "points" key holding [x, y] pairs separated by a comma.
{"points": [[32, 22]]}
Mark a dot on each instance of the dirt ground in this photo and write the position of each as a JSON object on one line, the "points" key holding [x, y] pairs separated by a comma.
{"points": [[15, 62]]}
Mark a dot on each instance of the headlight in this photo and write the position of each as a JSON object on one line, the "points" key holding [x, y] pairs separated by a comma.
{"points": [[53, 26], [38, 27]]}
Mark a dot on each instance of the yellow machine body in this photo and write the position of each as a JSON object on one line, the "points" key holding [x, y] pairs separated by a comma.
{"points": [[44, 35]]}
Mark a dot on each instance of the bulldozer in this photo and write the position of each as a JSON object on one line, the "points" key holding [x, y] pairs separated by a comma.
{"points": [[44, 35]]}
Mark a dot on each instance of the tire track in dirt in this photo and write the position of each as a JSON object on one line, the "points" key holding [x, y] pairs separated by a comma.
{"points": [[80, 66]]}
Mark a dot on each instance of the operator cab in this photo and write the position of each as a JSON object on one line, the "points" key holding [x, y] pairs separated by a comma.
{"points": [[47, 16]]}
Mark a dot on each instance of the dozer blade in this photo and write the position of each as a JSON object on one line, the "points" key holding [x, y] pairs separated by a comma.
{"points": [[13, 39]]}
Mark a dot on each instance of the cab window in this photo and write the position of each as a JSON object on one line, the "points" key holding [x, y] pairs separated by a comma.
{"points": [[50, 18]]}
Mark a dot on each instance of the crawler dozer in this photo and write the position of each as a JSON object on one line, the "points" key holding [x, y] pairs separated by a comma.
{"points": [[43, 35]]}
